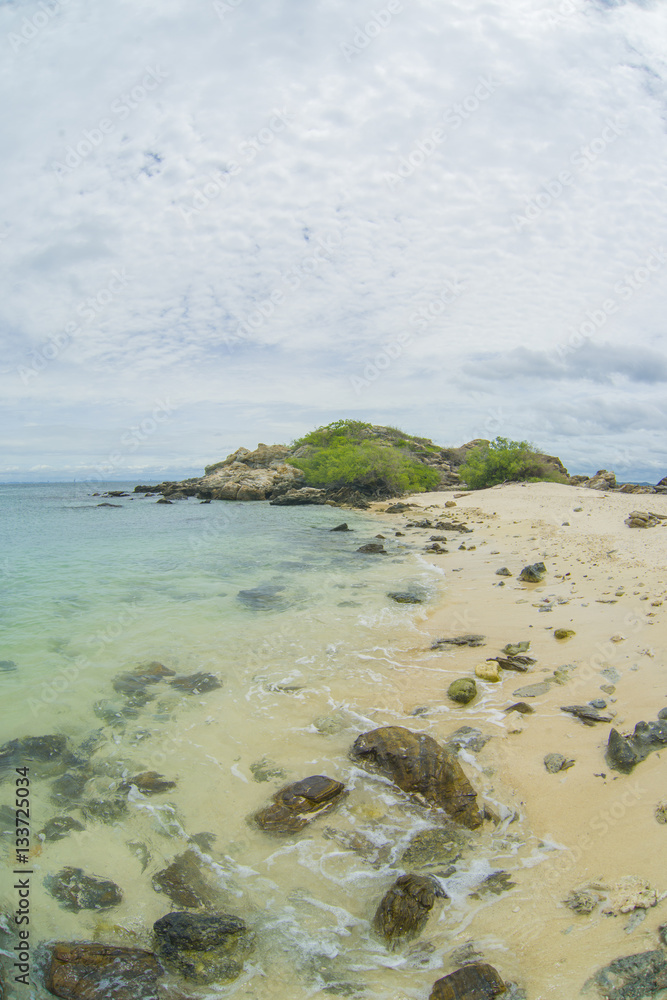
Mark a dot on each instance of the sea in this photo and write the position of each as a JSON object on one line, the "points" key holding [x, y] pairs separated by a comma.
{"points": [[302, 649]]}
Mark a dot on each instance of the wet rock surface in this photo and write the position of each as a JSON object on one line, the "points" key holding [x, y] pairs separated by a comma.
{"points": [[75, 890], [296, 805], [149, 783], [469, 639], [81, 970], [435, 848], [203, 947], [420, 766], [372, 548], [624, 752], [198, 683], [183, 882], [404, 910], [407, 596], [637, 977], [60, 826], [42, 749], [477, 981]]}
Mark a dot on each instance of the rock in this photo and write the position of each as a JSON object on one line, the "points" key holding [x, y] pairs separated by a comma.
{"points": [[398, 508], [468, 737], [555, 762], [598, 703], [106, 810], [76, 891], [81, 970], [435, 847], [522, 707], [487, 671], [203, 947], [462, 690], [534, 573], [149, 783], [116, 504], [420, 766], [563, 633], [266, 596], [196, 683], [407, 597], [662, 714], [58, 827], [68, 787], [161, 500], [641, 519], [304, 495], [623, 752], [6, 666], [495, 883], [133, 684], [628, 894], [460, 640], [503, 571], [372, 547], [517, 663], [533, 690], [183, 881], [298, 804], [44, 749], [513, 649], [404, 910], [636, 977], [583, 901], [585, 713], [450, 503], [477, 981], [661, 812], [341, 527]]}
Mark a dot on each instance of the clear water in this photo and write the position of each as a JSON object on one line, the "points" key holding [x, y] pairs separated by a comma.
{"points": [[90, 592]]}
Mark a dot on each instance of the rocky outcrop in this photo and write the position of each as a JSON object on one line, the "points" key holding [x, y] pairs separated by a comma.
{"points": [[420, 766]]}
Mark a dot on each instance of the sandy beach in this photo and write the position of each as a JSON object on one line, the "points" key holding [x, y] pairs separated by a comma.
{"points": [[607, 583]]}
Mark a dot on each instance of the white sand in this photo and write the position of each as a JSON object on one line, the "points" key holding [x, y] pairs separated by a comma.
{"points": [[603, 822]]}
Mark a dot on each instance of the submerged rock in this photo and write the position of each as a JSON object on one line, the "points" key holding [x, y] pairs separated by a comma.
{"points": [[477, 981], [183, 881], [197, 683], [460, 640], [203, 947], [44, 749], [59, 827], [435, 848], [76, 891], [637, 977], [149, 783], [420, 766], [462, 690], [407, 596], [298, 804], [264, 597], [81, 970], [404, 910]]}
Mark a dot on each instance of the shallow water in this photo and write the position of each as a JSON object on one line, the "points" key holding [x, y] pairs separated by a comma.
{"points": [[310, 654]]}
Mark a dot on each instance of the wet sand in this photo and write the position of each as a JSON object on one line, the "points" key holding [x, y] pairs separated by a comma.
{"points": [[607, 582]]}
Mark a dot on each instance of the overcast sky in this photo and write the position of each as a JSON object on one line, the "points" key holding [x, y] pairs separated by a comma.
{"points": [[229, 222]]}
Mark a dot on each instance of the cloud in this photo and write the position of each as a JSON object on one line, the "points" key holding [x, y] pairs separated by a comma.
{"points": [[601, 363]]}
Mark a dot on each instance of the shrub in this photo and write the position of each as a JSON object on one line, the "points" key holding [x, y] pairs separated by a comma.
{"points": [[505, 461], [345, 454]]}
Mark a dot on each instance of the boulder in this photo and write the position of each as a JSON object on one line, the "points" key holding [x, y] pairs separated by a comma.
{"points": [[636, 977], [642, 519], [462, 690], [203, 947], [81, 970], [298, 804], [533, 573], [421, 767], [404, 910], [76, 891], [304, 495], [624, 752], [477, 981]]}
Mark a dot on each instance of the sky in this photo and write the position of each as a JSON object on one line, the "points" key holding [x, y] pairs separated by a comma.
{"points": [[231, 221]]}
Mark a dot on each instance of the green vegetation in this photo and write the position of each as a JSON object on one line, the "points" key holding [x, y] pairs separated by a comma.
{"points": [[505, 461], [375, 461]]}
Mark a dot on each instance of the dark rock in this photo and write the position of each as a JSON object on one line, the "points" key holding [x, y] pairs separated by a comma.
{"points": [[203, 947], [468, 737], [399, 508], [585, 713], [555, 762], [341, 527], [266, 596], [7, 665], [503, 571], [149, 782], [533, 690], [406, 597], [598, 703], [196, 683], [662, 714], [460, 640], [564, 633], [420, 766], [58, 827], [37, 748], [163, 500], [623, 752], [404, 910], [637, 977], [76, 891], [582, 901], [372, 547], [296, 805], [477, 981], [183, 881], [522, 707], [533, 573], [462, 690], [516, 663], [120, 504], [68, 787], [494, 884], [80, 970], [133, 684]]}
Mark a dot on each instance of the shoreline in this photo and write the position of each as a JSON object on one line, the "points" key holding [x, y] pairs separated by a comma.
{"points": [[601, 822]]}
